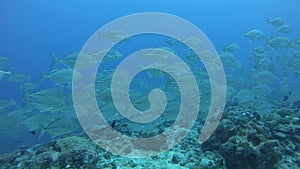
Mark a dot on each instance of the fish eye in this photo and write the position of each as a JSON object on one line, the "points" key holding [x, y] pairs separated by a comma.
{"points": [[126, 38]]}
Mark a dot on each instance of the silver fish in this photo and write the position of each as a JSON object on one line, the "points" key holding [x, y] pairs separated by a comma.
{"points": [[279, 42], [277, 21], [255, 35], [284, 28], [233, 47]]}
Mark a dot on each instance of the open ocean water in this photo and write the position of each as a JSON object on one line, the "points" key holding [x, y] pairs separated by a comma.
{"points": [[150, 84]]}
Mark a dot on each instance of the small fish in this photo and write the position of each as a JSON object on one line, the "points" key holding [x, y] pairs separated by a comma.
{"points": [[88, 61], [244, 96], [54, 124], [115, 36], [106, 56], [100, 54], [268, 48], [206, 55], [113, 56], [261, 90], [35, 121], [155, 73], [6, 104], [28, 86], [258, 50], [233, 48], [18, 114], [59, 76], [61, 127], [193, 42], [49, 92], [237, 65], [18, 78], [255, 35], [264, 63], [284, 29], [277, 21], [261, 106], [264, 77], [291, 62], [68, 60], [160, 55], [279, 42], [48, 104], [227, 58]]}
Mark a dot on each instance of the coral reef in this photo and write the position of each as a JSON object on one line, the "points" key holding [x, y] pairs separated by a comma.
{"points": [[243, 139], [70, 152], [249, 140]]}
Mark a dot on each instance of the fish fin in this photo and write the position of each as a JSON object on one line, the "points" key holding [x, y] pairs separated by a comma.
{"points": [[41, 134], [43, 76]]}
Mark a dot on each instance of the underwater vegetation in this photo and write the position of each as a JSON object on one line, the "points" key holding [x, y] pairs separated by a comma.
{"points": [[259, 128]]}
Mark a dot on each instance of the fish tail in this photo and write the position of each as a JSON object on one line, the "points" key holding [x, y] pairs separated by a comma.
{"points": [[26, 96], [142, 53], [43, 76], [245, 33], [265, 42], [10, 71], [268, 20], [55, 60], [102, 35]]}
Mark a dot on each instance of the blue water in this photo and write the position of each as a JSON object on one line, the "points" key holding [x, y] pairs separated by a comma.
{"points": [[31, 30]]}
